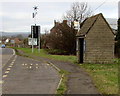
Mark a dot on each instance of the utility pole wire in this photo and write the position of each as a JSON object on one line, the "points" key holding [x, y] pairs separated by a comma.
{"points": [[99, 6]]}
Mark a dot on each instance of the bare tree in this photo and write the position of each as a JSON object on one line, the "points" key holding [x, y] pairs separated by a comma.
{"points": [[79, 11], [46, 31]]}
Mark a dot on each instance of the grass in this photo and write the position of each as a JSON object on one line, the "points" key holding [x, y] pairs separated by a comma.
{"points": [[105, 76], [63, 86], [43, 53]]}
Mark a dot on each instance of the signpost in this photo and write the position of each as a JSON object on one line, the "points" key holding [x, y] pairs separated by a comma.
{"points": [[34, 41], [35, 32]]}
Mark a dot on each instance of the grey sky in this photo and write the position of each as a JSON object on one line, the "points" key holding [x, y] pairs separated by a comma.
{"points": [[17, 16]]}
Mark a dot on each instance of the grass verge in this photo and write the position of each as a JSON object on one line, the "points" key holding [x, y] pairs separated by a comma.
{"points": [[43, 53], [105, 76], [63, 86]]}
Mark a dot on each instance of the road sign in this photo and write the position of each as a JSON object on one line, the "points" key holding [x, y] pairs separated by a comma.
{"points": [[30, 41], [35, 30], [12, 41]]}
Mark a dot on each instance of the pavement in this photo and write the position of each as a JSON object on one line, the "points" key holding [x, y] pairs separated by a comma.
{"points": [[22, 75], [79, 81]]}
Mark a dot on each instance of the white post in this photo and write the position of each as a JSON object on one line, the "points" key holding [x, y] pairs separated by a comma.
{"points": [[39, 41], [32, 39], [118, 9], [34, 17]]}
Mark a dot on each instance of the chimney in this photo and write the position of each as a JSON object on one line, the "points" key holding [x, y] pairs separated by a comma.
{"points": [[64, 21]]}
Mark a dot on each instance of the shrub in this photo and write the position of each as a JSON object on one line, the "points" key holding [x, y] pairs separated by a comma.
{"points": [[56, 52]]}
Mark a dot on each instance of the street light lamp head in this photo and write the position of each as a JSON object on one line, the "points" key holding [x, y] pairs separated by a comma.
{"points": [[35, 8]]}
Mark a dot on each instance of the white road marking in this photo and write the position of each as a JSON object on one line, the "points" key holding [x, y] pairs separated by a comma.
{"points": [[37, 67], [1, 82], [7, 71], [10, 66], [30, 67], [13, 62], [13, 52], [4, 76], [54, 66]]}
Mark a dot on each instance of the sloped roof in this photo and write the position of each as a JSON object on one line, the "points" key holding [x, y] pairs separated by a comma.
{"points": [[60, 26], [88, 23]]}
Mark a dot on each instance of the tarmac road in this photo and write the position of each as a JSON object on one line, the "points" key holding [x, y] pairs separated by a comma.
{"points": [[22, 75], [5, 55]]}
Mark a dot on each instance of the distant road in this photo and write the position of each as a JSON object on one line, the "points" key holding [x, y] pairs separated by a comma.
{"points": [[5, 55]]}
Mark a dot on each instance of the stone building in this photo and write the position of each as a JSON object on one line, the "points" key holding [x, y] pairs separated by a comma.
{"points": [[95, 41]]}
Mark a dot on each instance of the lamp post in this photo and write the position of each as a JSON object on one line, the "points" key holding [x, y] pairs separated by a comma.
{"points": [[77, 27], [35, 30]]}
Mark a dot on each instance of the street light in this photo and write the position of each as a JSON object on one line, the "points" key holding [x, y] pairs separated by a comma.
{"points": [[34, 17], [76, 25], [35, 29]]}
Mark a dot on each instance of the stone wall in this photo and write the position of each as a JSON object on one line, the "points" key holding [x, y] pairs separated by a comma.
{"points": [[99, 43]]}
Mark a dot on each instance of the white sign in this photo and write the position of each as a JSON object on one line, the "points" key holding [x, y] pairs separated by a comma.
{"points": [[76, 24], [30, 41], [12, 41]]}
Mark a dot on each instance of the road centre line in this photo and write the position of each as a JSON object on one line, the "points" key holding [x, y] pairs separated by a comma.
{"points": [[37, 67], [12, 62], [1, 81], [7, 71], [10, 66], [4, 76], [54, 66]]}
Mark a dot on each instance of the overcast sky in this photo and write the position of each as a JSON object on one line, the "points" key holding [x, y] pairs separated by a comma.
{"points": [[17, 16]]}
